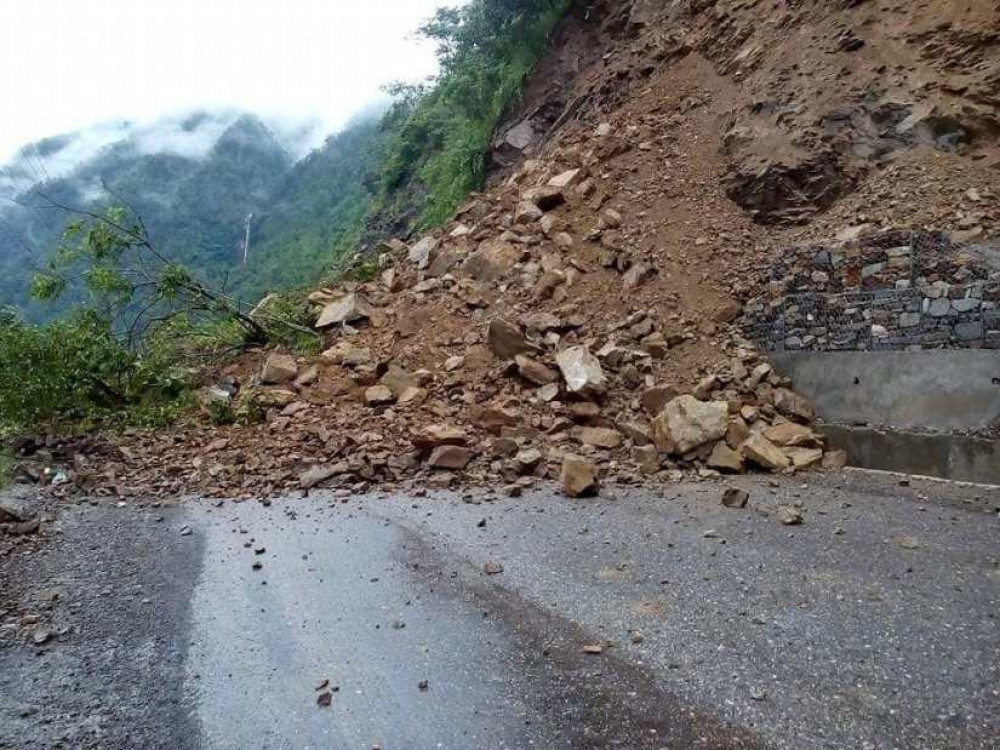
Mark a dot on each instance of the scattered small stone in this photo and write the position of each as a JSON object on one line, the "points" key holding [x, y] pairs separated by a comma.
{"points": [[734, 497], [789, 516]]}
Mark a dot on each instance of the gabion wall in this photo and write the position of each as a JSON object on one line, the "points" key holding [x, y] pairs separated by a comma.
{"points": [[895, 290]]}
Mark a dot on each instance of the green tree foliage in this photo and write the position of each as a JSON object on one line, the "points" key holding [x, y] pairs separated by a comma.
{"points": [[122, 352], [443, 132], [75, 368]]}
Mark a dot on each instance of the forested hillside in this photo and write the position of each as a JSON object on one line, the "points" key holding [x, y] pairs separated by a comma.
{"points": [[196, 208]]}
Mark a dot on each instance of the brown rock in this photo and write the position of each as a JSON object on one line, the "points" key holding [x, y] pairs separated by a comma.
{"points": [[737, 433], [793, 406], [648, 459], [654, 399], [506, 340], [835, 459], [565, 179], [637, 275], [439, 434], [526, 460], [804, 458], [450, 457], [687, 423], [729, 312], [600, 437], [347, 354], [527, 212], [578, 476], [318, 474], [725, 458], [412, 395], [397, 380], [492, 261], [764, 453], [640, 434], [790, 434], [279, 368], [350, 308], [493, 419], [705, 387], [534, 371], [734, 497], [378, 395]]}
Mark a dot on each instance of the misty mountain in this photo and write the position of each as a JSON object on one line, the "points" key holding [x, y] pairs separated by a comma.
{"points": [[195, 181]]}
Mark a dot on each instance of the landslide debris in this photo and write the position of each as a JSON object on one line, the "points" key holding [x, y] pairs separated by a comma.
{"points": [[579, 319]]}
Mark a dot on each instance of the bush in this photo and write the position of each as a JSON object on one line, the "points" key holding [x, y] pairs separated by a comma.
{"points": [[76, 369]]}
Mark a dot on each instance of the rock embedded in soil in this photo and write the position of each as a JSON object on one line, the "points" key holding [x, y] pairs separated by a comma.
{"points": [[506, 340], [278, 369], [350, 308], [581, 371]]}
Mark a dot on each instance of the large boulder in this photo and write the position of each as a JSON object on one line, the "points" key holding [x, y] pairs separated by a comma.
{"points": [[420, 254], [578, 476], [793, 405], [492, 261], [761, 451], [687, 423], [436, 435], [279, 368], [581, 371], [451, 457], [350, 308]]}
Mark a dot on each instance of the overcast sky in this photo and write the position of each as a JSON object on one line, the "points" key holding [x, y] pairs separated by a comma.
{"points": [[71, 63]]}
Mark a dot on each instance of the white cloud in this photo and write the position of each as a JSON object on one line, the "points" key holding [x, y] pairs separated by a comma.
{"points": [[69, 63]]}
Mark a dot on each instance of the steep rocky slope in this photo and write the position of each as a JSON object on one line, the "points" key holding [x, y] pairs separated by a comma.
{"points": [[663, 155]]}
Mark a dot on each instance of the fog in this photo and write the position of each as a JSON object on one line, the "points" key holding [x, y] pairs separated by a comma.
{"points": [[115, 68]]}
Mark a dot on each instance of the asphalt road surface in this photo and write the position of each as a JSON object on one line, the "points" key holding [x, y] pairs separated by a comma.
{"points": [[464, 621]]}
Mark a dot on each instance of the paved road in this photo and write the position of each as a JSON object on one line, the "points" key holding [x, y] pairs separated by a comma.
{"points": [[875, 623]]}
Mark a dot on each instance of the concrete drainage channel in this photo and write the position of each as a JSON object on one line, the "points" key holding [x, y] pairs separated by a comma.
{"points": [[915, 409]]}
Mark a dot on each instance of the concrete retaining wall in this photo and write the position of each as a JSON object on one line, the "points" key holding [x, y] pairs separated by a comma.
{"points": [[954, 457], [941, 390]]}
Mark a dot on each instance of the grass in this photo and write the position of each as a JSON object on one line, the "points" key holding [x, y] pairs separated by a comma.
{"points": [[7, 463]]}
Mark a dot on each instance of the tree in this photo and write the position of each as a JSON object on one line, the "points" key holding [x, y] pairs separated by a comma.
{"points": [[130, 283]]}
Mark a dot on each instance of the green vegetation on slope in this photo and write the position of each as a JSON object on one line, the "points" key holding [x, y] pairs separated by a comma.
{"points": [[443, 132]]}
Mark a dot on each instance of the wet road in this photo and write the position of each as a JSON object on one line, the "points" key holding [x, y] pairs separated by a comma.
{"points": [[872, 624]]}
